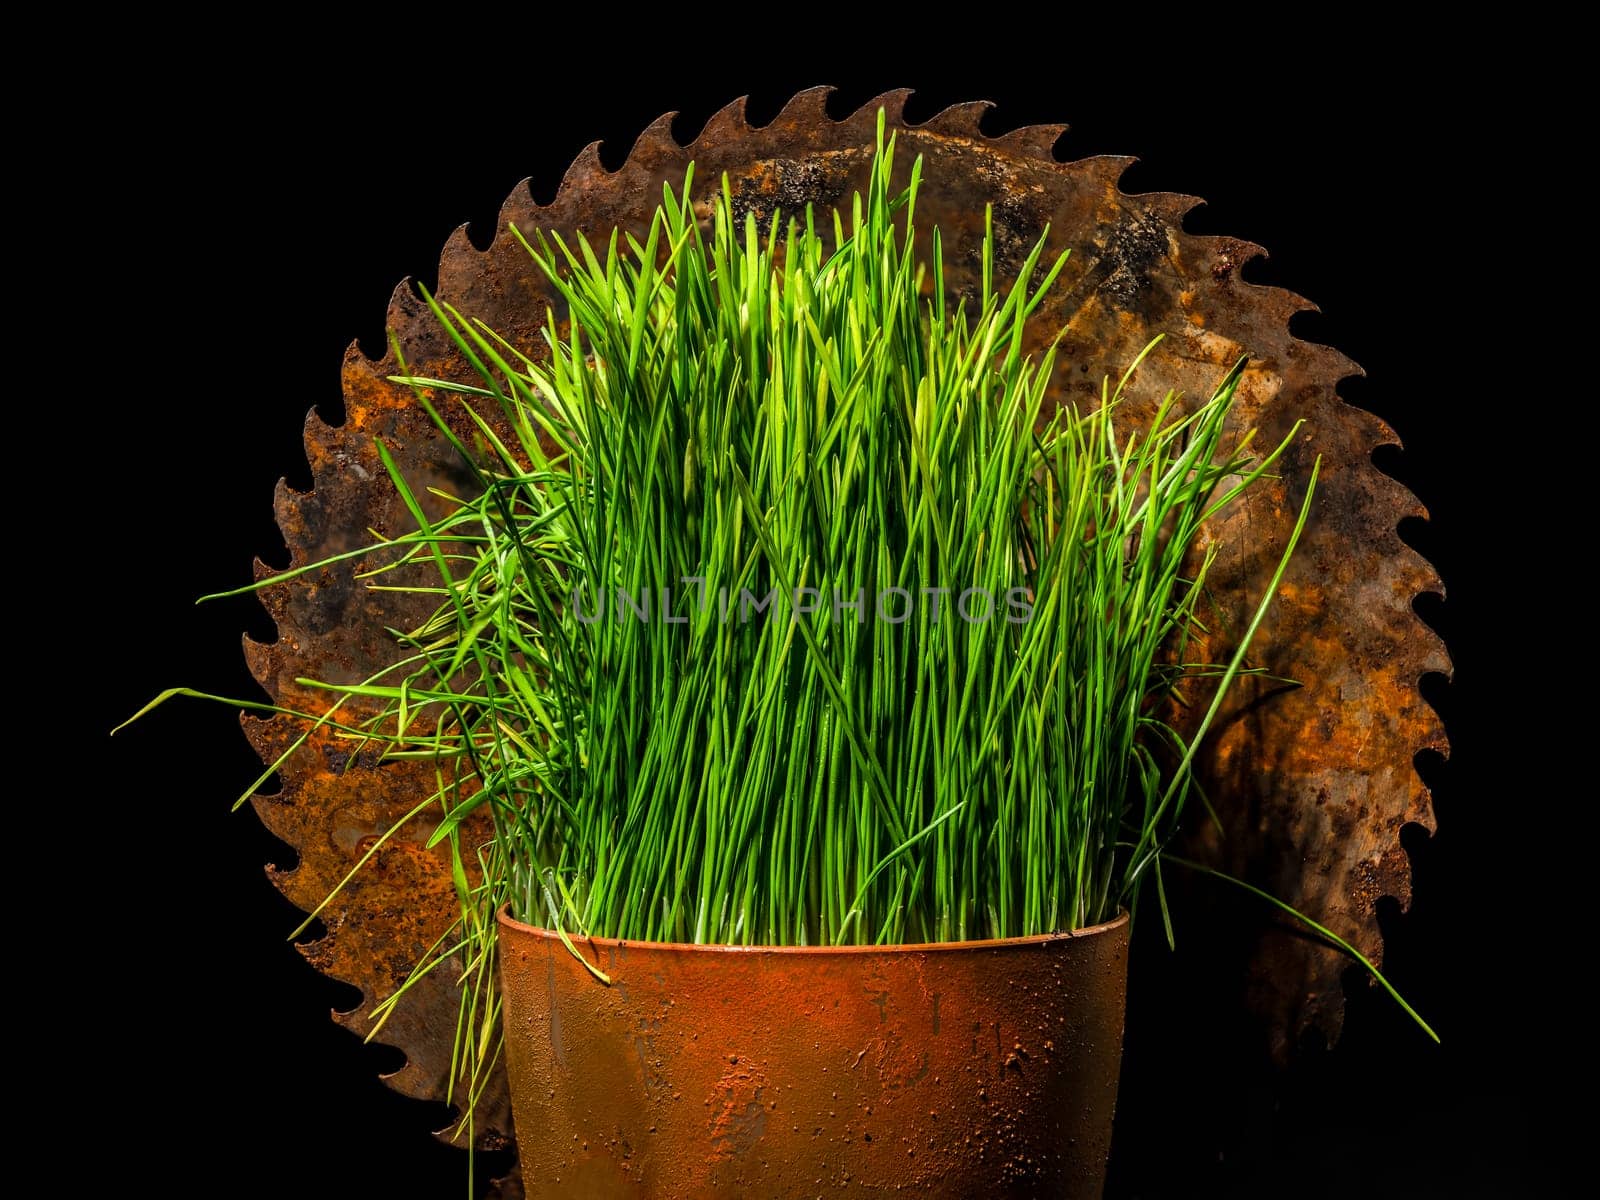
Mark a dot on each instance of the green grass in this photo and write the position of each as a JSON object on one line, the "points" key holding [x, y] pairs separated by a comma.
{"points": [[769, 408]]}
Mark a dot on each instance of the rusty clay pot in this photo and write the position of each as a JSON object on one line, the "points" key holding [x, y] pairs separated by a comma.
{"points": [[982, 1069]]}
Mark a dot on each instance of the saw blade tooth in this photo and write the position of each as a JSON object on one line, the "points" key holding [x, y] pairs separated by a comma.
{"points": [[805, 109], [726, 125], [1032, 141], [585, 170], [519, 209], [657, 135], [893, 103], [459, 265], [958, 120]]}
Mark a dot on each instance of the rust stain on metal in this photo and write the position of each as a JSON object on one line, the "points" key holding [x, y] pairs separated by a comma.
{"points": [[1313, 785], [711, 1071]]}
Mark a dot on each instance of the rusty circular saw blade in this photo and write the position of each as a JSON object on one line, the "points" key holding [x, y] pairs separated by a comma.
{"points": [[1312, 786]]}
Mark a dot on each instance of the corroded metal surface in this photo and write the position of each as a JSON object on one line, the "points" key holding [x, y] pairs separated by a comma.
{"points": [[1313, 785], [966, 1069]]}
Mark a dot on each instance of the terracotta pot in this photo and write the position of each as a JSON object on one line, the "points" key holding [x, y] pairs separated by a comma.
{"points": [[962, 1069]]}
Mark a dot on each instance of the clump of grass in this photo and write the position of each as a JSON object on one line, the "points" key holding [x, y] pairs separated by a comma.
{"points": [[945, 722], [713, 654]]}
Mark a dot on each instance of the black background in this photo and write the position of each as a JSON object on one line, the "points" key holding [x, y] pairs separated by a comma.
{"points": [[274, 243]]}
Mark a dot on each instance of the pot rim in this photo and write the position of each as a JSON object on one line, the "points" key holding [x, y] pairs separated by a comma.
{"points": [[1119, 922]]}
